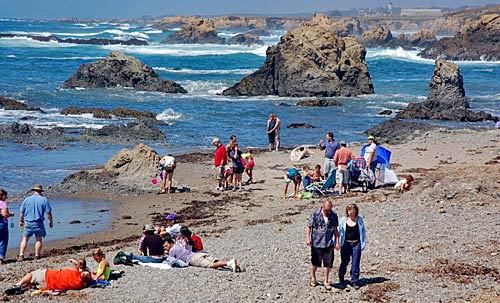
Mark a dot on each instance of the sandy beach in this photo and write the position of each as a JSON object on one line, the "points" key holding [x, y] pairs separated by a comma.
{"points": [[438, 242]]}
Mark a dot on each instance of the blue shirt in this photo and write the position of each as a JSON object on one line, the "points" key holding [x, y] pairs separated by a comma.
{"points": [[362, 231], [34, 208], [330, 148], [322, 234]]}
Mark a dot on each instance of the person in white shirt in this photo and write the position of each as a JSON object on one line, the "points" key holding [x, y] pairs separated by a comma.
{"points": [[167, 166]]}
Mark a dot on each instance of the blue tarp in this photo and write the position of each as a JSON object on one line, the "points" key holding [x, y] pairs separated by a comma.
{"points": [[383, 155]]}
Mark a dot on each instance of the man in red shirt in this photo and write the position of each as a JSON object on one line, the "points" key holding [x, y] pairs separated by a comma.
{"points": [[341, 158], [220, 160]]}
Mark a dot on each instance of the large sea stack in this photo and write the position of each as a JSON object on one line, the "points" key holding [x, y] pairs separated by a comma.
{"points": [[120, 70], [310, 60], [446, 99], [477, 40]]}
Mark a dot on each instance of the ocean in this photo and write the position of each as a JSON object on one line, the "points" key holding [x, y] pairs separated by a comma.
{"points": [[34, 71]]}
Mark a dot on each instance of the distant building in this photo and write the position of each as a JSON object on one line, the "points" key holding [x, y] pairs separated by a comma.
{"points": [[421, 12]]}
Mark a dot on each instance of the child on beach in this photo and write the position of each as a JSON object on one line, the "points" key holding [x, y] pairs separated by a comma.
{"points": [[293, 175], [249, 164], [404, 184], [4, 225], [103, 268], [316, 175]]}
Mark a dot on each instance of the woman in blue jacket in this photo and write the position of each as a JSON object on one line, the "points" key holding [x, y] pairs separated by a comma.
{"points": [[352, 240]]}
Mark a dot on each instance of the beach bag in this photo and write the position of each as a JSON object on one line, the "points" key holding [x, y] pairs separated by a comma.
{"points": [[123, 258]]}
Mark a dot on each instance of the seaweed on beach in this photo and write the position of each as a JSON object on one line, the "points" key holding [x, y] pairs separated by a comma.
{"points": [[458, 271], [378, 292]]}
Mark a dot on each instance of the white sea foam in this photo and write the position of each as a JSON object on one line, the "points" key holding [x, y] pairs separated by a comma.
{"points": [[28, 42], [67, 58], [210, 87], [11, 56], [189, 49], [153, 31], [243, 71], [43, 34], [169, 115]]}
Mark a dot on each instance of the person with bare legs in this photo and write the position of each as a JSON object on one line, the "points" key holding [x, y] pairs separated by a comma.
{"points": [[31, 217], [322, 236]]}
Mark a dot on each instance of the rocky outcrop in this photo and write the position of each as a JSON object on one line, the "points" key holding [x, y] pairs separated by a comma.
{"points": [[319, 103], [310, 61], [137, 131], [11, 104], [382, 37], [446, 99], [28, 135], [423, 38], [377, 36], [120, 70], [128, 172], [108, 114], [300, 125], [396, 131], [245, 39], [477, 40], [349, 26], [260, 32], [94, 41], [200, 32], [452, 23]]}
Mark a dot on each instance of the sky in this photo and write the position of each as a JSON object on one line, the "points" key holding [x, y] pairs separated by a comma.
{"points": [[41, 9]]}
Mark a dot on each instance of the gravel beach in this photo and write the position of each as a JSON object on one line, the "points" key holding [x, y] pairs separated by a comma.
{"points": [[437, 243]]}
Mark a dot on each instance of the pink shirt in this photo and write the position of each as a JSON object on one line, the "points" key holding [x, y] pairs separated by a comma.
{"points": [[3, 205]]}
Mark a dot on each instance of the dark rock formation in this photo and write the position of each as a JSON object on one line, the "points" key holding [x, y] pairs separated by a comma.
{"points": [[120, 70], [300, 125], [260, 32], [141, 130], [203, 31], [395, 131], [478, 40], [310, 61], [319, 103], [446, 99], [11, 104], [348, 26], [108, 114], [423, 38], [27, 134], [382, 37], [245, 39], [377, 36], [386, 112], [95, 41]]}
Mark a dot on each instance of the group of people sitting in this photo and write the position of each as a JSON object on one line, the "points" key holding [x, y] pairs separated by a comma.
{"points": [[176, 244], [230, 163]]}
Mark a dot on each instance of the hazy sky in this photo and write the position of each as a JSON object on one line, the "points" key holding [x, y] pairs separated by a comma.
{"points": [[137, 8]]}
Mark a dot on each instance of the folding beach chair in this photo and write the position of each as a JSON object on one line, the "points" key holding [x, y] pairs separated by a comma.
{"points": [[322, 187]]}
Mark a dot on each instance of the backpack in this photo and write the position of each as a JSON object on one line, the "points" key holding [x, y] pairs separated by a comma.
{"points": [[123, 258]]}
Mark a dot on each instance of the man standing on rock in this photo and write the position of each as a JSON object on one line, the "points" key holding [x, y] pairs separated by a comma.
{"points": [[321, 230], [330, 147], [220, 160], [31, 216]]}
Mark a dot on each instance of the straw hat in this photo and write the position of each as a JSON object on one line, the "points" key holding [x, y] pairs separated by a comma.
{"points": [[37, 187]]}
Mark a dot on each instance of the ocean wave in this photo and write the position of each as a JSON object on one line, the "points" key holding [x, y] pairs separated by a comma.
{"points": [[243, 71], [153, 31], [169, 115], [11, 56], [189, 49], [67, 58], [28, 42], [20, 33], [204, 87]]}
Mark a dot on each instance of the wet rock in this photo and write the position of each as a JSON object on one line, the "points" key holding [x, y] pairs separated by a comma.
{"points": [[126, 217], [12, 104], [477, 40], [377, 36], [423, 38], [396, 131], [310, 60], [245, 39], [199, 32], [141, 130], [75, 222], [27, 134], [260, 32], [319, 103], [108, 114], [120, 70], [27, 118], [95, 41], [382, 37], [386, 112], [300, 125]]}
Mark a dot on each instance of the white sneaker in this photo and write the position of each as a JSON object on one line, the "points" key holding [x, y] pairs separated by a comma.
{"points": [[232, 264]]}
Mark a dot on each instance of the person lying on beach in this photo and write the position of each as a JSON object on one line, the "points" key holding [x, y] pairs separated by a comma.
{"points": [[293, 175], [103, 268], [70, 278], [151, 247], [203, 260], [404, 184]]}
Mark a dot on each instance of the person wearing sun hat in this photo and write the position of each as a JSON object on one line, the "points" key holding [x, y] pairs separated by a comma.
{"points": [[371, 156], [31, 217], [151, 246], [172, 227]]}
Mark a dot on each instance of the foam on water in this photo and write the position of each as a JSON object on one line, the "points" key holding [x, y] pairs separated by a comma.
{"points": [[187, 71], [169, 115]]}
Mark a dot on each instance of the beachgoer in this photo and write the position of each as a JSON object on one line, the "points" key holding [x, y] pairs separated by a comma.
{"points": [[31, 216], [352, 240], [173, 228], [4, 225], [330, 147], [103, 267], [371, 157], [316, 175], [167, 166], [220, 161], [249, 160], [237, 166], [273, 132], [341, 158], [70, 278], [151, 247], [189, 241], [322, 236], [203, 260], [293, 175], [404, 184]]}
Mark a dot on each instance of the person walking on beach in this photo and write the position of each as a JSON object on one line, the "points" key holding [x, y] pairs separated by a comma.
{"points": [[4, 225], [341, 158], [220, 161], [322, 236], [31, 217], [352, 240], [273, 132], [330, 147]]}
